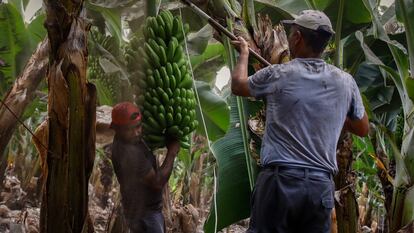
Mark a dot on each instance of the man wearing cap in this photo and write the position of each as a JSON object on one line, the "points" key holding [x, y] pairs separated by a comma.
{"points": [[308, 103], [141, 180]]}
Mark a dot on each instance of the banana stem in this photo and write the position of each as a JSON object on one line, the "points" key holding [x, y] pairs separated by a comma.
{"points": [[222, 29]]}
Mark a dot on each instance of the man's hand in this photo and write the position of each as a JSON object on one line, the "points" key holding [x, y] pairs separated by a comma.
{"points": [[173, 146], [242, 45], [239, 82]]}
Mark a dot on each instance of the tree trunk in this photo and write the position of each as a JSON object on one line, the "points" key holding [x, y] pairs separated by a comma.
{"points": [[21, 95], [71, 115], [347, 209]]}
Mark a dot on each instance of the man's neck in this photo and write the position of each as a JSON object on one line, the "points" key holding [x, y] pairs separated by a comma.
{"points": [[307, 55]]}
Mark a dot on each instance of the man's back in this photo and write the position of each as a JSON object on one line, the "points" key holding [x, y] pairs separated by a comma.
{"points": [[307, 103], [131, 163]]}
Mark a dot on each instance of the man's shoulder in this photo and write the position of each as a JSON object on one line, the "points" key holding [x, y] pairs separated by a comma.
{"points": [[129, 149], [337, 72], [284, 67]]}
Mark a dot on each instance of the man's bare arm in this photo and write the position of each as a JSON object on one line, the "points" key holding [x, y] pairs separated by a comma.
{"points": [[239, 76], [157, 180], [357, 127]]}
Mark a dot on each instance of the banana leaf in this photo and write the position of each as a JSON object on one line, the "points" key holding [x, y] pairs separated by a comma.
{"points": [[237, 170], [112, 19], [36, 29], [215, 111], [402, 211], [405, 14], [206, 65], [14, 41], [198, 41], [233, 185], [20, 5]]}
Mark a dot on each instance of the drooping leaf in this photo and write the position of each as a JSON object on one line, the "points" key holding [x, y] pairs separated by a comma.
{"points": [[36, 29], [283, 7], [249, 14], [14, 41], [215, 112], [212, 51], [405, 14], [104, 94], [398, 51], [112, 19], [206, 65], [380, 92], [222, 212], [233, 188], [20, 5], [355, 12], [197, 42]]}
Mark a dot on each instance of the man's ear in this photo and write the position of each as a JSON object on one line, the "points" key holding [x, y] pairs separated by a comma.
{"points": [[297, 36]]}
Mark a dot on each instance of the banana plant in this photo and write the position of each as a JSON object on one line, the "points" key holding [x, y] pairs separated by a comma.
{"points": [[402, 208], [16, 42]]}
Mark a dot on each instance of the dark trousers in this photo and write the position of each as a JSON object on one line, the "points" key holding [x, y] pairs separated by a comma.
{"points": [[292, 200], [152, 222]]}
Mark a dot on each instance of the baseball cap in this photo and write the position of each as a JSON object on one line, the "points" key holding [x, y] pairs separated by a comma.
{"points": [[125, 114], [312, 19]]}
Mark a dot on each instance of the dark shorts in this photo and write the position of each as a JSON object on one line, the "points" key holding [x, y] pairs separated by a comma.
{"points": [[152, 222], [292, 200]]}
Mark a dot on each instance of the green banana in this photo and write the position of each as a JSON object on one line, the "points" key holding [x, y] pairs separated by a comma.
{"points": [[161, 120], [155, 138], [164, 76], [152, 55], [170, 119], [187, 82], [152, 123], [151, 81], [169, 68], [163, 55], [173, 82], [185, 145], [172, 45], [177, 92], [169, 91], [178, 54], [169, 100], [161, 109], [177, 72], [161, 42], [173, 130], [177, 119], [176, 27]]}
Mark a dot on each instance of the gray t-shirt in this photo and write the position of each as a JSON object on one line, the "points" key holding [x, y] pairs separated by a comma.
{"points": [[307, 104]]}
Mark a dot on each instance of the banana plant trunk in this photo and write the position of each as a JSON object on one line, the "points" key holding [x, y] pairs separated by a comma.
{"points": [[402, 206], [347, 208], [71, 121], [20, 96]]}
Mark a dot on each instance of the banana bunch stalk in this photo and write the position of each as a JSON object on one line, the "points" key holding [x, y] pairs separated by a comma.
{"points": [[167, 98]]}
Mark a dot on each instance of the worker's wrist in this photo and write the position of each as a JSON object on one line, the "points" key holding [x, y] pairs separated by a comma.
{"points": [[244, 53]]}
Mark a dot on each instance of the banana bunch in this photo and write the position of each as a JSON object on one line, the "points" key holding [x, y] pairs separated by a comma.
{"points": [[168, 99], [95, 72]]}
